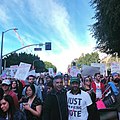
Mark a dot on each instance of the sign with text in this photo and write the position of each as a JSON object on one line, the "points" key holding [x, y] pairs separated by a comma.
{"points": [[9, 72], [74, 71], [51, 72], [22, 71], [115, 67], [89, 70], [102, 67]]}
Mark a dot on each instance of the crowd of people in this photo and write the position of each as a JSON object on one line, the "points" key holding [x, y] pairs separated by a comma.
{"points": [[59, 97]]}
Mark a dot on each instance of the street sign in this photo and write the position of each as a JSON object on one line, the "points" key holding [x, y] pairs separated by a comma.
{"points": [[37, 49], [48, 46]]}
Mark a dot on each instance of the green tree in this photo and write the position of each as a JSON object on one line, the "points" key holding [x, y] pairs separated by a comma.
{"points": [[50, 65], [106, 29], [15, 59], [87, 59]]}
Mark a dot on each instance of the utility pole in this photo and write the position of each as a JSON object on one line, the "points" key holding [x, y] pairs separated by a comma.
{"points": [[1, 52]]}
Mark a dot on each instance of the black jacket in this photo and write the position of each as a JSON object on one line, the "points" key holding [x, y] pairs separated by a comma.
{"points": [[55, 106]]}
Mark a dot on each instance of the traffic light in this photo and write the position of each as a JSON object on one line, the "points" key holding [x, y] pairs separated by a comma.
{"points": [[48, 46]]}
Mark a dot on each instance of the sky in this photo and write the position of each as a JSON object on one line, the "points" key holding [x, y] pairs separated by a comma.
{"points": [[64, 23]]}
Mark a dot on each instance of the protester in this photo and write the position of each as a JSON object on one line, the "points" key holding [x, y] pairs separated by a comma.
{"points": [[33, 104], [1, 93], [47, 79], [1, 96], [6, 86], [98, 86], [41, 83], [15, 86], [87, 87], [31, 80], [80, 78], [10, 112], [115, 75], [55, 104], [66, 82], [79, 102], [49, 86], [117, 103]]}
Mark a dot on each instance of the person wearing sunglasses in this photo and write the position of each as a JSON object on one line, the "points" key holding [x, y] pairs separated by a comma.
{"points": [[88, 88]]}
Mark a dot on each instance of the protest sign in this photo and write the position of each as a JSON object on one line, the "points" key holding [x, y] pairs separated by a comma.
{"points": [[115, 67], [51, 72], [74, 71], [22, 71], [89, 70], [102, 67]]}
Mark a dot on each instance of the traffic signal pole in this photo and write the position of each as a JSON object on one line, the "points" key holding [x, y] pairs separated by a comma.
{"points": [[41, 44]]}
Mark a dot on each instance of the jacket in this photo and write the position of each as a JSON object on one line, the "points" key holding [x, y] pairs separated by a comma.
{"points": [[55, 106], [101, 85]]}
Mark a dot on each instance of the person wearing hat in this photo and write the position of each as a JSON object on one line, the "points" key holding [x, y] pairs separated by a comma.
{"points": [[79, 102], [6, 86]]}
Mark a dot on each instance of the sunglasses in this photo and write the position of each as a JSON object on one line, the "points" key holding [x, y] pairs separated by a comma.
{"points": [[87, 81]]}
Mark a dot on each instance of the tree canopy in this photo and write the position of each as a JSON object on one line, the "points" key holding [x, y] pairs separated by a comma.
{"points": [[87, 59], [15, 59], [50, 65], [106, 29]]}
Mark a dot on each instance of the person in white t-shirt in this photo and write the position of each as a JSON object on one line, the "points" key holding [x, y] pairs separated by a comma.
{"points": [[79, 102]]}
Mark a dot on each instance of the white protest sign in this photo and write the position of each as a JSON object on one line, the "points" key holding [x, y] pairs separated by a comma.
{"points": [[115, 67], [89, 70], [6, 73], [32, 72], [22, 71], [13, 70], [51, 72], [74, 71], [102, 67]]}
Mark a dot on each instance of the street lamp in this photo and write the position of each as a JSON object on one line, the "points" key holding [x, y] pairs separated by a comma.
{"points": [[2, 47]]}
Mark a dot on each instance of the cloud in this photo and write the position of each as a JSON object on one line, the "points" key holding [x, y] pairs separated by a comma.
{"points": [[3, 15], [54, 21], [54, 15], [65, 57]]}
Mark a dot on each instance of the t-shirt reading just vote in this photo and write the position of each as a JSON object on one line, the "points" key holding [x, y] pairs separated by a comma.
{"points": [[77, 105]]}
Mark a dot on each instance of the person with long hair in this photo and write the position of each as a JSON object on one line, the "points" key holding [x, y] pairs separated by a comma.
{"points": [[17, 88], [9, 110], [87, 87], [33, 105]]}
